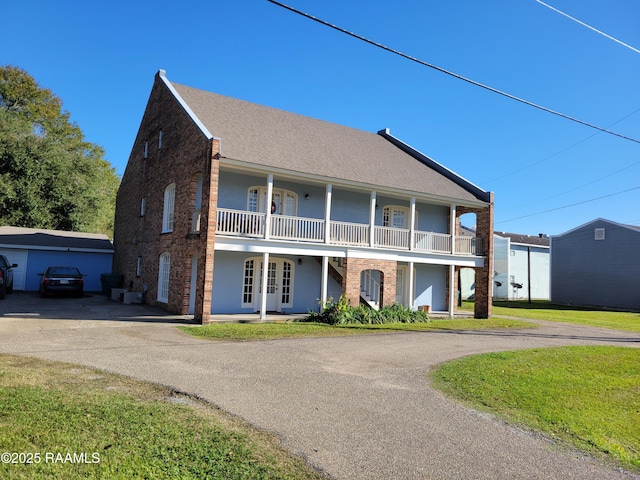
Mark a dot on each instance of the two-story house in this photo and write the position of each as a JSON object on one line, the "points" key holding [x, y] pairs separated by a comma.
{"points": [[231, 207]]}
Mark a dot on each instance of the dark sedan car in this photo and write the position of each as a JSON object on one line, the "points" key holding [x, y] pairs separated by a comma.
{"points": [[6, 276], [61, 280]]}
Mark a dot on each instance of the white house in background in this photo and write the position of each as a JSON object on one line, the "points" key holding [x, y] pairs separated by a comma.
{"points": [[228, 207], [521, 267]]}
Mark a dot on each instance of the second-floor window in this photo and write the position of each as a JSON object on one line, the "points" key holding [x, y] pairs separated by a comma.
{"points": [[396, 216], [169, 206], [286, 201]]}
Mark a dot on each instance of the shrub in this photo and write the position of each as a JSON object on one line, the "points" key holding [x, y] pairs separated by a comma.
{"points": [[341, 313]]}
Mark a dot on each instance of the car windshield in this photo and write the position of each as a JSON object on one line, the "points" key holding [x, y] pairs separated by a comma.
{"points": [[64, 271]]}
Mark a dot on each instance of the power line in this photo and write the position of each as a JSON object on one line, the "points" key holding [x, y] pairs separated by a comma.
{"points": [[571, 205], [589, 26], [560, 152], [455, 75]]}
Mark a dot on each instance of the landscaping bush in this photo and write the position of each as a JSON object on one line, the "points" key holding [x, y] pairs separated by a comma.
{"points": [[341, 313]]}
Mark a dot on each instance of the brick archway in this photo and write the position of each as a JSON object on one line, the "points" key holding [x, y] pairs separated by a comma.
{"points": [[353, 268]]}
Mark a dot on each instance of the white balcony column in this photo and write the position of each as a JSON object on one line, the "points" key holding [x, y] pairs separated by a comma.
{"points": [[412, 223], [265, 279], [452, 227], [372, 220], [327, 215], [267, 222], [325, 282], [412, 293], [453, 292]]}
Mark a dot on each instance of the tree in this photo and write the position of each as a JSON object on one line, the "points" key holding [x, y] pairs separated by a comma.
{"points": [[50, 177]]}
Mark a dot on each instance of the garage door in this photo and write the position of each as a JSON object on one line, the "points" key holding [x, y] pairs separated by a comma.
{"points": [[19, 273]]}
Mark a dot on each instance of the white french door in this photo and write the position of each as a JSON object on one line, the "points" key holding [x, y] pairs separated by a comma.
{"points": [[279, 284]]}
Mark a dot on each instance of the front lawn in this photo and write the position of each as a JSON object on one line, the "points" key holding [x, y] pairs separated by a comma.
{"points": [[64, 421], [587, 396], [544, 310], [268, 331]]}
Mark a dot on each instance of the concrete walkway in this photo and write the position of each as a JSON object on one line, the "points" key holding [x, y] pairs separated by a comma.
{"points": [[353, 407]]}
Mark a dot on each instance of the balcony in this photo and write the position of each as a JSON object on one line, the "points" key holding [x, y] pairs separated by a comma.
{"points": [[240, 223]]}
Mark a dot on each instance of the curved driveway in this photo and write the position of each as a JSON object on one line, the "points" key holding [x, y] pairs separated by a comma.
{"points": [[354, 407]]}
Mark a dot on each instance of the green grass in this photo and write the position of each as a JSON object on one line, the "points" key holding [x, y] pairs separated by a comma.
{"points": [[133, 430], [588, 396], [268, 331], [544, 310]]}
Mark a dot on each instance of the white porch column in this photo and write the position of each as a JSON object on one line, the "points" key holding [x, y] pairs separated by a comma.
{"points": [[327, 215], [372, 219], [412, 223], [412, 293], [265, 279], [452, 228], [267, 223], [452, 291], [325, 281]]}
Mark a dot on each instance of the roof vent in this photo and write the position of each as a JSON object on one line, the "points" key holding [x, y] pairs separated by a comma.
{"points": [[599, 233]]}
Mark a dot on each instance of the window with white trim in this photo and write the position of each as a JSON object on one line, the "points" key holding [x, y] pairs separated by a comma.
{"points": [[163, 278], [286, 201], [169, 206], [247, 283], [599, 234], [396, 216]]}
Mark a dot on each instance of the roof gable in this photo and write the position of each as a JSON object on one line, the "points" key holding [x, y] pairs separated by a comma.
{"points": [[272, 138], [601, 221]]}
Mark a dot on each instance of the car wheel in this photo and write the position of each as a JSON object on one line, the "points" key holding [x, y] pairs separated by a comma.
{"points": [[3, 291], [42, 292], [10, 289]]}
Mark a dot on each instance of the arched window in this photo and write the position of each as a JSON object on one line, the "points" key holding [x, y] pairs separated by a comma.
{"points": [[163, 278], [169, 206]]}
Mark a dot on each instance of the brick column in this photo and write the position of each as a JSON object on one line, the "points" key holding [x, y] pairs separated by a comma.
{"points": [[353, 267], [208, 222]]}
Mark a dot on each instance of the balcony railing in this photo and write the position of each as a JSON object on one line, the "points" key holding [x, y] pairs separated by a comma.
{"points": [[312, 230]]}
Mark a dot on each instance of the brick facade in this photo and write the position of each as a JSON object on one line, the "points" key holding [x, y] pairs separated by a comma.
{"points": [[484, 274], [353, 267], [183, 155]]}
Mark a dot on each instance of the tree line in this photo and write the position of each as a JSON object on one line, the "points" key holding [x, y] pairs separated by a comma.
{"points": [[50, 176]]}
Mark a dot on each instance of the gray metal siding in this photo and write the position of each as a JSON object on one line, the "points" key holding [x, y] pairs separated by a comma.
{"points": [[605, 273]]}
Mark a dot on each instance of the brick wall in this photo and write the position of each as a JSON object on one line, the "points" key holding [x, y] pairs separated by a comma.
{"points": [[353, 267], [484, 274], [184, 153]]}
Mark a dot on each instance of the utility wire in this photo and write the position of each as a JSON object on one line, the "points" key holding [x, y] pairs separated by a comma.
{"points": [[571, 205], [560, 152], [589, 26], [455, 75]]}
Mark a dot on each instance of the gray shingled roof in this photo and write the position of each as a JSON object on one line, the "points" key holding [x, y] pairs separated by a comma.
{"points": [[55, 239], [275, 138], [542, 241]]}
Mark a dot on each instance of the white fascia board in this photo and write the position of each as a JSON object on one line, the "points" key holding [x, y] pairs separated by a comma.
{"points": [[163, 75], [532, 245]]}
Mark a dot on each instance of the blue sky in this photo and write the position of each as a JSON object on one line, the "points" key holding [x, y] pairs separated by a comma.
{"points": [[100, 59]]}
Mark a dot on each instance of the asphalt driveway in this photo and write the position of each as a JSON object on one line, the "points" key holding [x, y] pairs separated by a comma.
{"points": [[353, 407]]}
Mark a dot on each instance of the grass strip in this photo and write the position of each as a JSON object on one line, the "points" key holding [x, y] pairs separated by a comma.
{"points": [[545, 310], [587, 396], [270, 331], [84, 423]]}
